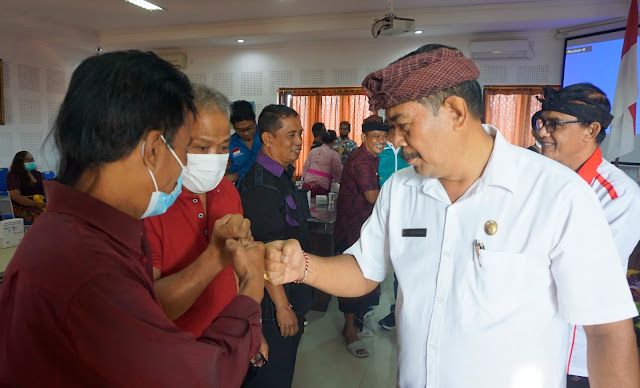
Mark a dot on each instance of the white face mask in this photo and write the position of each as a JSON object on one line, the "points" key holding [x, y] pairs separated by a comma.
{"points": [[204, 172]]}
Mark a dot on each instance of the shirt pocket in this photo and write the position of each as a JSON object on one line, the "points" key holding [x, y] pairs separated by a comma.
{"points": [[496, 284]]}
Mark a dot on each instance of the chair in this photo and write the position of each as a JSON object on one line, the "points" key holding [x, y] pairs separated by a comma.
{"points": [[48, 175], [6, 210]]}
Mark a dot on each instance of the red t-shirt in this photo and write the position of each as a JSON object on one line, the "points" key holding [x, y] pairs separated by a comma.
{"points": [[180, 235]]}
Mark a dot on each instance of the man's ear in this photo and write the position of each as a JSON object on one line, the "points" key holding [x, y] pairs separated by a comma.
{"points": [[151, 145], [363, 137], [592, 131], [266, 138], [458, 111]]}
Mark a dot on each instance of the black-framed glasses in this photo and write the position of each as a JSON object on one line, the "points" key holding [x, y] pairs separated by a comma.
{"points": [[551, 125], [250, 128]]}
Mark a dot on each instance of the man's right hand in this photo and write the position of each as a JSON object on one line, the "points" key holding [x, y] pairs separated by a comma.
{"points": [[231, 226], [248, 258], [284, 262]]}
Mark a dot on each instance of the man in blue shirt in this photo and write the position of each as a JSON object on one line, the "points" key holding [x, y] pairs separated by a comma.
{"points": [[390, 162], [245, 143]]}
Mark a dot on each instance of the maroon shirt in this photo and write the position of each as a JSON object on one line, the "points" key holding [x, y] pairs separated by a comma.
{"points": [[360, 174], [78, 309]]}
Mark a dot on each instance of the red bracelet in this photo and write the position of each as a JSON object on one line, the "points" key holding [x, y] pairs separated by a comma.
{"points": [[289, 307], [306, 269]]}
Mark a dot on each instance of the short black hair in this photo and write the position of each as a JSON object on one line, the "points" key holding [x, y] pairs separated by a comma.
{"points": [[329, 137], [113, 101], [348, 124], [270, 119], [593, 93], [242, 110], [469, 91], [318, 129]]}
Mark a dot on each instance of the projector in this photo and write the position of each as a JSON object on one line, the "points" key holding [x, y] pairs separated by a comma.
{"points": [[392, 25]]}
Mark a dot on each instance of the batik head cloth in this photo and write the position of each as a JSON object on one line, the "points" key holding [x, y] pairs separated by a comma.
{"points": [[418, 76]]}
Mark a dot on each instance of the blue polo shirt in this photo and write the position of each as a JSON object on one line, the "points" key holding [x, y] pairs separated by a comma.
{"points": [[241, 156], [390, 162]]}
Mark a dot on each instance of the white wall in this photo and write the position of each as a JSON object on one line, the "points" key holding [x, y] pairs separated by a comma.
{"points": [[255, 73], [36, 75]]}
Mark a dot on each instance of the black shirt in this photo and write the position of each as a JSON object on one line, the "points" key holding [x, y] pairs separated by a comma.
{"points": [[277, 211]]}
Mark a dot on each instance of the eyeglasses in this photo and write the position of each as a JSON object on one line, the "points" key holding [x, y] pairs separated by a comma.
{"points": [[551, 125], [250, 128]]}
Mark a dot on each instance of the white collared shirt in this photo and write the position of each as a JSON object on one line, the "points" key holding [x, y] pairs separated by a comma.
{"points": [[619, 196], [497, 319]]}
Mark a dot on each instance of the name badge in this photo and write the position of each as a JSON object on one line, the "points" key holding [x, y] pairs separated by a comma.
{"points": [[414, 232]]}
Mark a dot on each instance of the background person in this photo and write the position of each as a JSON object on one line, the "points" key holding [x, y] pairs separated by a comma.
{"points": [[358, 193], [77, 300], [23, 182], [317, 130], [571, 126], [344, 142], [245, 142], [277, 210], [322, 166]]}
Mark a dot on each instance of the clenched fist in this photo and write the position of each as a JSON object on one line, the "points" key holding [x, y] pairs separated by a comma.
{"points": [[248, 259], [231, 226], [285, 262]]}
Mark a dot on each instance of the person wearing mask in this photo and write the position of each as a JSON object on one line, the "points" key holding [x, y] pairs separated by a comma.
{"points": [[77, 304], [245, 142], [322, 166], [277, 210], [358, 194], [25, 184], [571, 127], [492, 263]]}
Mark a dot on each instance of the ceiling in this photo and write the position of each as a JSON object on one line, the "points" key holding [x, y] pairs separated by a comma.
{"points": [[210, 23]]}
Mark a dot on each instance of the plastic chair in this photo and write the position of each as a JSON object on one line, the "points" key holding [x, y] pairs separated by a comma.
{"points": [[6, 210]]}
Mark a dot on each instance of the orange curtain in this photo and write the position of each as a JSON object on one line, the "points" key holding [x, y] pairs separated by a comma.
{"points": [[308, 107], [510, 110], [330, 106]]}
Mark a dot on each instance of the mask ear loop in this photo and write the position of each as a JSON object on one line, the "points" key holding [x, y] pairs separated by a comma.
{"points": [[172, 151], [150, 173]]}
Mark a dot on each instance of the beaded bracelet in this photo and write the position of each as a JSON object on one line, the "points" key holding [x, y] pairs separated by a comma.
{"points": [[306, 269], [289, 307]]}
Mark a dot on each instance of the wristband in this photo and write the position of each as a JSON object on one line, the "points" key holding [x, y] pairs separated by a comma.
{"points": [[289, 307], [306, 269]]}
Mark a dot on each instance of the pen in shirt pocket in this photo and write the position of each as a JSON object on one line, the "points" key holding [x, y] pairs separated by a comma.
{"points": [[477, 246]]}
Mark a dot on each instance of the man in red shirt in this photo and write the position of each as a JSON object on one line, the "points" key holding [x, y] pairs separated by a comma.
{"points": [[77, 305], [193, 279]]}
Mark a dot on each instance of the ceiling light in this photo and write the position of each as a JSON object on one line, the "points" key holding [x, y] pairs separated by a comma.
{"points": [[240, 40], [417, 32], [145, 4]]}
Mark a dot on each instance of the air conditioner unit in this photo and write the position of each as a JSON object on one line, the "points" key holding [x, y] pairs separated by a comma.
{"points": [[178, 60], [501, 49]]}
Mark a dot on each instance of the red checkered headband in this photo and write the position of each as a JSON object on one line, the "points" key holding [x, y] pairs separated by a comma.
{"points": [[418, 76]]}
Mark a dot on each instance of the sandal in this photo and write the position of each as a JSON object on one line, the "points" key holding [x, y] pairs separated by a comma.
{"points": [[367, 331], [355, 346]]}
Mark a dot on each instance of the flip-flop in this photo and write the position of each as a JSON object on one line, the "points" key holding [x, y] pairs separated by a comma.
{"points": [[355, 346]]}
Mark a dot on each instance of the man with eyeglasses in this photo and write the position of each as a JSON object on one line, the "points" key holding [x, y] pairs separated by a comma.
{"points": [[245, 143], [571, 127]]}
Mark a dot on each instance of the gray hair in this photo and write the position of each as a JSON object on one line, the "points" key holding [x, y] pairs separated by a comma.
{"points": [[210, 100]]}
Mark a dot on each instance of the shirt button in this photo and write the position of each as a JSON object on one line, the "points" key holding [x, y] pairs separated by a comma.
{"points": [[200, 215], [432, 347], [144, 260], [206, 232], [195, 200], [440, 300]]}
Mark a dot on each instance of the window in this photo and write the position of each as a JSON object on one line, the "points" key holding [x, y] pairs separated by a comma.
{"points": [[329, 106], [510, 108]]}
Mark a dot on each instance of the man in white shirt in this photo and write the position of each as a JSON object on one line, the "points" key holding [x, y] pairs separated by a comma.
{"points": [[491, 261], [571, 126]]}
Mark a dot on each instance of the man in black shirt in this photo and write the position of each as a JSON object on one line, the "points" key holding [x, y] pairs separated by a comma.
{"points": [[278, 211], [318, 129]]}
